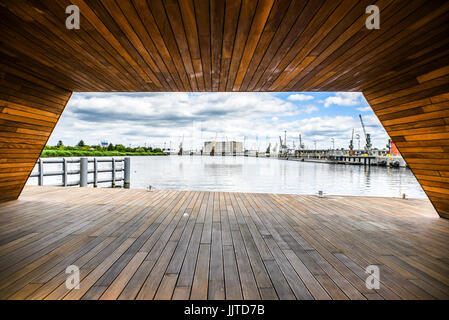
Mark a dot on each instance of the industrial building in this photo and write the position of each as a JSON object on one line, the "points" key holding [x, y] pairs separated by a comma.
{"points": [[226, 147]]}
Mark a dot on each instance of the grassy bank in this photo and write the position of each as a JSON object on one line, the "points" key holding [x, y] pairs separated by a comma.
{"points": [[95, 153], [83, 150]]}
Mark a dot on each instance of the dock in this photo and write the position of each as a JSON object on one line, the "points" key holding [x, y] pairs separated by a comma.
{"points": [[360, 161], [137, 244]]}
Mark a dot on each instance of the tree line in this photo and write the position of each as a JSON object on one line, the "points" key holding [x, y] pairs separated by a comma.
{"points": [[82, 149]]}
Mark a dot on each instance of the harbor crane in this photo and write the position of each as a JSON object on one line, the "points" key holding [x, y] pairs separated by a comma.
{"points": [[282, 147], [180, 146], [212, 152], [301, 145], [367, 137], [351, 144], [285, 140]]}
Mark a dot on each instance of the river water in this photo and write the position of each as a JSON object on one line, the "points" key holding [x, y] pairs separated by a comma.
{"points": [[264, 175]]}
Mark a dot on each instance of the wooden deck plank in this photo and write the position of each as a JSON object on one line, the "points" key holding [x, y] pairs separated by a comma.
{"points": [[135, 244], [216, 270], [201, 277]]}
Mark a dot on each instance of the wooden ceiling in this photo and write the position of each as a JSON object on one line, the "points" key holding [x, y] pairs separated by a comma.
{"points": [[235, 45]]}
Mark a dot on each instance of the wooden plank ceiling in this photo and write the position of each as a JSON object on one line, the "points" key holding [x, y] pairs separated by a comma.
{"points": [[234, 45]]}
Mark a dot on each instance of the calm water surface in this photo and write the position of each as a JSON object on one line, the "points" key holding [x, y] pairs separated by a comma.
{"points": [[263, 175]]}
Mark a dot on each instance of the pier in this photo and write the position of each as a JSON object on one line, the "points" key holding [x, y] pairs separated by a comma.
{"points": [[309, 156], [358, 157], [136, 244], [211, 47], [340, 159]]}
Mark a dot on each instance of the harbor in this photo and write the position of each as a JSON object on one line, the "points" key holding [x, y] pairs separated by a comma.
{"points": [[389, 156], [380, 158], [195, 174], [240, 174], [289, 167]]}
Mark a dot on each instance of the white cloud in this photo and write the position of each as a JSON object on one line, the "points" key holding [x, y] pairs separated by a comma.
{"points": [[364, 109], [310, 108], [158, 118], [323, 129], [155, 118], [344, 99], [299, 97]]}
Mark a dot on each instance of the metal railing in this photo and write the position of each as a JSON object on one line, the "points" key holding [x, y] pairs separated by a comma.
{"points": [[84, 171]]}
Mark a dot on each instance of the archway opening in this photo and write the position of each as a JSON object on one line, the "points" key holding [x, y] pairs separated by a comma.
{"points": [[296, 142]]}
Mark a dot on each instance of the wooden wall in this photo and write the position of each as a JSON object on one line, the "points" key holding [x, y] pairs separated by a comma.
{"points": [[29, 110], [417, 120]]}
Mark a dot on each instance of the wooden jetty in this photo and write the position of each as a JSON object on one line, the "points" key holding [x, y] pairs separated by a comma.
{"points": [[351, 160], [135, 244], [401, 66]]}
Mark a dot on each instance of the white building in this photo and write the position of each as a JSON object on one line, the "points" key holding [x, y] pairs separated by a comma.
{"points": [[228, 147]]}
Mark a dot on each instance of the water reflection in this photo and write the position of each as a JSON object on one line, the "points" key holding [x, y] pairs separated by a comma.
{"points": [[242, 174]]}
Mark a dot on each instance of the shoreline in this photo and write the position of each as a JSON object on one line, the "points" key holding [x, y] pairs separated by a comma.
{"points": [[75, 154]]}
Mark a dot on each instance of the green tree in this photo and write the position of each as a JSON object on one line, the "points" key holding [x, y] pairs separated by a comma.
{"points": [[60, 144], [120, 147], [81, 144], [110, 147]]}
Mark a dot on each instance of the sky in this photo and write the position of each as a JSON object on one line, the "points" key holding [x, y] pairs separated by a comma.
{"points": [[166, 119]]}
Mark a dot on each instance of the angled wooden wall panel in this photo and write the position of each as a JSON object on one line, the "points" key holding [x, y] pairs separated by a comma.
{"points": [[416, 117], [29, 111]]}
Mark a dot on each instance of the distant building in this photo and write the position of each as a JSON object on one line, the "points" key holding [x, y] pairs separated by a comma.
{"points": [[228, 147]]}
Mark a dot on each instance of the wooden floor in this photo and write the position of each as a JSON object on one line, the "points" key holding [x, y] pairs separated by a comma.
{"points": [[135, 244]]}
